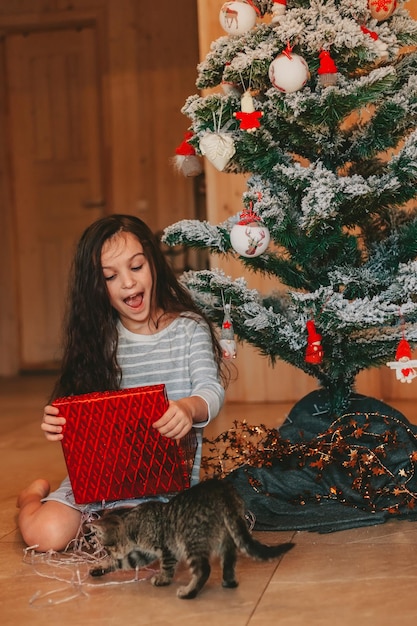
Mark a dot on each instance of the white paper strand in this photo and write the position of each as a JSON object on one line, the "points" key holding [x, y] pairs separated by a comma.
{"points": [[72, 567]]}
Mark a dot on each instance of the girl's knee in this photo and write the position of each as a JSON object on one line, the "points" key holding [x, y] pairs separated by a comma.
{"points": [[50, 529]]}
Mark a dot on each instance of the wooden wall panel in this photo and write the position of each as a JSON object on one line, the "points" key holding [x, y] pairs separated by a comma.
{"points": [[167, 59], [151, 70]]}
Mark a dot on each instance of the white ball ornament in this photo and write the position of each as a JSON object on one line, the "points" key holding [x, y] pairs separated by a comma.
{"points": [[288, 72], [249, 237], [237, 18]]}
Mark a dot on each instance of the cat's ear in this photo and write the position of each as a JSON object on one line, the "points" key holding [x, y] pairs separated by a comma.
{"points": [[91, 526], [95, 528]]}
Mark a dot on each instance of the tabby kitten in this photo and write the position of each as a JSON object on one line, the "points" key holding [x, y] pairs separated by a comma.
{"points": [[207, 519]]}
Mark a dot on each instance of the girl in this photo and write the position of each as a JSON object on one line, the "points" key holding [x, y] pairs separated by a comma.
{"points": [[129, 323]]}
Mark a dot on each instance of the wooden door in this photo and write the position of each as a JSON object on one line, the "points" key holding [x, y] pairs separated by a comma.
{"points": [[56, 156]]}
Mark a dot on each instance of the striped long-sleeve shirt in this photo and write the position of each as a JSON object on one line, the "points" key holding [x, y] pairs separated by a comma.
{"points": [[181, 357]]}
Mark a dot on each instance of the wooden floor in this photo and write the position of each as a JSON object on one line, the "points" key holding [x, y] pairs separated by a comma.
{"points": [[359, 577]]}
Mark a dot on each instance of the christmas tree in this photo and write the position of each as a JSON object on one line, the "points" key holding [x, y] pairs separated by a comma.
{"points": [[317, 102]]}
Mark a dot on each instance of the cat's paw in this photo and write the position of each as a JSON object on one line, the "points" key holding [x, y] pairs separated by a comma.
{"points": [[100, 571], [230, 584], [186, 594], [160, 581]]}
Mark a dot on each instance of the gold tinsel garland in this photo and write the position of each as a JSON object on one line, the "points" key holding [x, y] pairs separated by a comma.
{"points": [[366, 460]]}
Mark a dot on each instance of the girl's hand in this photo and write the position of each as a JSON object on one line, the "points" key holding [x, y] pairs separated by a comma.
{"points": [[180, 416], [52, 424], [177, 421]]}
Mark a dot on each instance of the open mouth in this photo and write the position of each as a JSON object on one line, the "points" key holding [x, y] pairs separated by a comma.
{"points": [[134, 301]]}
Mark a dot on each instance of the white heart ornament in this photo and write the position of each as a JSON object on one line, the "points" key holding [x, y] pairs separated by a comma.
{"points": [[218, 148]]}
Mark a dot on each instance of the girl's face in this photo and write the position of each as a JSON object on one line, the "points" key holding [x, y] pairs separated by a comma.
{"points": [[129, 281]]}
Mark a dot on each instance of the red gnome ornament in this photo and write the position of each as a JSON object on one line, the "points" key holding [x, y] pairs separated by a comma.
{"points": [[403, 365], [186, 161], [314, 351], [327, 71]]}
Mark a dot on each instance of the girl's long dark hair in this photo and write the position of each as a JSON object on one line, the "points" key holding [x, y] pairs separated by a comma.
{"points": [[90, 342]]}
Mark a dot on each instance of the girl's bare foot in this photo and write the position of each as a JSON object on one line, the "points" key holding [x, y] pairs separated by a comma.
{"points": [[34, 492]]}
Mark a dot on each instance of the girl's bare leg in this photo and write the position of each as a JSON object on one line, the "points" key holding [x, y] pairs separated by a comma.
{"points": [[45, 525]]}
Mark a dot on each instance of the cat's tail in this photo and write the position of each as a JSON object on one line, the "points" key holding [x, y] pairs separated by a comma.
{"points": [[249, 545]]}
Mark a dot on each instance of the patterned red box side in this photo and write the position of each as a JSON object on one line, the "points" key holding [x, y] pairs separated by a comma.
{"points": [[112, 451]]}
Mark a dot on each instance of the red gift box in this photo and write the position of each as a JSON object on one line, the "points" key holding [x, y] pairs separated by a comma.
{"points": [[112, 451]]}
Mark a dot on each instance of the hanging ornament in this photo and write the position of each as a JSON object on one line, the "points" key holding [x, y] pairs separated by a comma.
{"points": [[249, 237], [314, 351], [380, 46], [218, 148], [185, 160], [237, 18], [403, 365], [288, 72], [249, 118], [327, 70], [382, 9], [278, 10], [227, 335]]}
